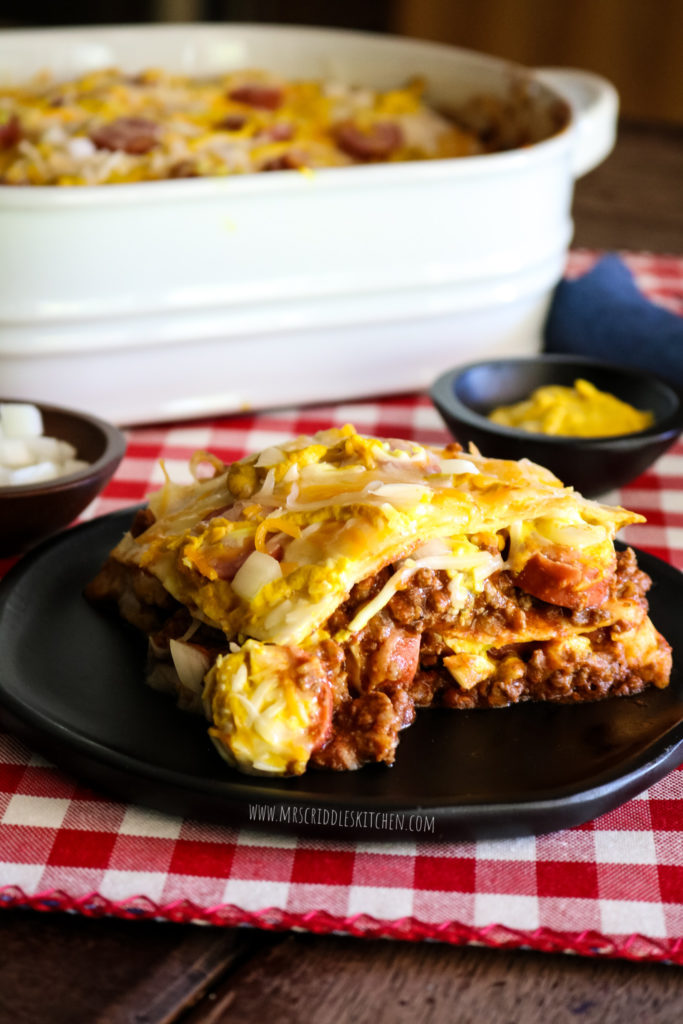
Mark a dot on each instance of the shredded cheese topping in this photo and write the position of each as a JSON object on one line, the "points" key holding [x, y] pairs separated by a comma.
{"points": [[323, 513], [107, 127]]}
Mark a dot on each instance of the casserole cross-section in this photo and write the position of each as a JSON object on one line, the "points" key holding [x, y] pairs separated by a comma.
{"points": [[309, 598]]}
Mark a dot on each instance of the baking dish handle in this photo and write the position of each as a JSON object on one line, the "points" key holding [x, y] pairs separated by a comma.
{"points": [[595, 106]]}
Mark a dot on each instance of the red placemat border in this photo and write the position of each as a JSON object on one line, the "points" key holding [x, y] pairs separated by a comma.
{"points": [[634, 947]]}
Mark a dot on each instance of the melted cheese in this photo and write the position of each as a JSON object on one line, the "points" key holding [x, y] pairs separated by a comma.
{"points": [[336, 508]]}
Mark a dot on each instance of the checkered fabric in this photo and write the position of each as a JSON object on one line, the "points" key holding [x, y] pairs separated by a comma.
{"points": [[613, 886]]}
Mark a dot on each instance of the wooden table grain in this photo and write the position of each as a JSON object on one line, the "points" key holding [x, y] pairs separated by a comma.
{"points": [[64, 969]]}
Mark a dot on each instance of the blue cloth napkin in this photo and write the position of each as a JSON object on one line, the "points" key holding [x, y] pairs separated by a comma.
{"points": [[603, 315]]}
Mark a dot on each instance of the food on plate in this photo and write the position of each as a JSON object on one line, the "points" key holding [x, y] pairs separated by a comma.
{"points": [[109, 127], [309, 598], [26, 456], [580, 411]]}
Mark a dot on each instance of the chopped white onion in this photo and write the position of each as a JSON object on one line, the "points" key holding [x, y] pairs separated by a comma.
{"points": [[454, 466], [191, 663], [266, 487], [435, 546], [80, 147], [270, 457], [14, 452], [278, 616], [56, 136], [19, 419], [257, 570], [51, 448], [292, 495], [26, 457], [34, 474]]}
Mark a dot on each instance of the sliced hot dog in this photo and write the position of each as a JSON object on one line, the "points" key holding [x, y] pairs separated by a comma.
{"points": [[135, 135], [266, 97], [564, 583], [377, 142], [10, 132]]}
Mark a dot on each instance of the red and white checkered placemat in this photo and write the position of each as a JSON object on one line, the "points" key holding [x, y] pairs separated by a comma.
{"points": [[612, 887]]}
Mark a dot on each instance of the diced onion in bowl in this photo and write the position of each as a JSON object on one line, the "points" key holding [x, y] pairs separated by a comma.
{"points": [[26, 456], [21, 420]]}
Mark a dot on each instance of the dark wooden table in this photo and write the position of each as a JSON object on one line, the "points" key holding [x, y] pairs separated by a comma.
{"points": [[63, 969]]}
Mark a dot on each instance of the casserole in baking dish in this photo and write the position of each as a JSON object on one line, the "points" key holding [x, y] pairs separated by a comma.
{"points": [[186, 297]]}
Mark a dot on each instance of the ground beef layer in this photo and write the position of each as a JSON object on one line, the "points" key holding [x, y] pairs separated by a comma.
{"points": [[399, 661]]}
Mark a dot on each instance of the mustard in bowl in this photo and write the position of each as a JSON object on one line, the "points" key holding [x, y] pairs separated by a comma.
{"points": [[594, 465], [581, 410]]}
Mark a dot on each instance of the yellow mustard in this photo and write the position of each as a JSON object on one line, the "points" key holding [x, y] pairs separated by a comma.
{"points": [[579, 411]]}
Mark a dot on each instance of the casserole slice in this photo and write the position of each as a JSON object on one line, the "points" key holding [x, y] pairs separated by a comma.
{"points": [[309, 598]]}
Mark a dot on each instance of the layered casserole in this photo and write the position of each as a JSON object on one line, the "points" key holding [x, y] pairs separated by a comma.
{"points": [[310, 598]]}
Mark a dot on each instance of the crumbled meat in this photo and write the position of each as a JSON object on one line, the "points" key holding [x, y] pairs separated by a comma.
{"points": [[426, 685], [426, 597], [549, 671], [140, 597], [333, 659], [370, 684], [382, 656], [364, 729]]}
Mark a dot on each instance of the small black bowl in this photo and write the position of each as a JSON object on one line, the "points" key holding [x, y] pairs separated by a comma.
{"points": [[593, 465], [30, 513]]}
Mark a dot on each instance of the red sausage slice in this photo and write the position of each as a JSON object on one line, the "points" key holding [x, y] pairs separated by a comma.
{"points": [[567, 584], [135, 135], [266, 97], [232, 123], [290, 161], [277, 132], [377, 143], [10, 132]]}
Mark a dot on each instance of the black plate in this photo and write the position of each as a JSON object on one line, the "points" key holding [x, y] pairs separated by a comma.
{"points": [[71, 683]]}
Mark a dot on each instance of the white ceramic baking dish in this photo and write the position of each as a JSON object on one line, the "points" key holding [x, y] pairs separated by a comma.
{"points": [[175, 299]]}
